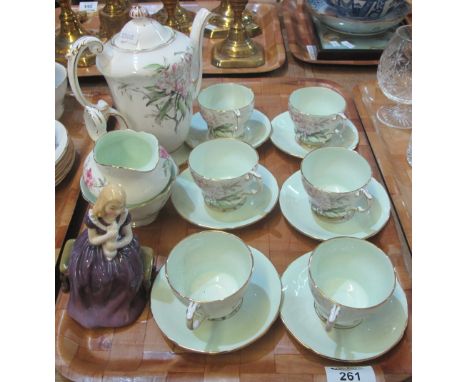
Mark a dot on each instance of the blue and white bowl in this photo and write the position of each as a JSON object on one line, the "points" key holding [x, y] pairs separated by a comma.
{"points": [[329, 16], [364, 9]]}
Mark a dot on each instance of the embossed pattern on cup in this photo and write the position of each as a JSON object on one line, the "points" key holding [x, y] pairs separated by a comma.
{"points": [[225, 170], [335, 179], [226, 108], [209, 272], [317, 113], [349, 278]]}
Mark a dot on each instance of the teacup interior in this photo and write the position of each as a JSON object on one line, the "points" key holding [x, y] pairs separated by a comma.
{"points": [[318, 101], [223, 158], [352, 272], [127, 149], [225, 97], [60, 74], [209, 266], [336, 169]]}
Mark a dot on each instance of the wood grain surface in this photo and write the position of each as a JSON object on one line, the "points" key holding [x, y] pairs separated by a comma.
{"points": [[141, 353], [301, 33], [389, 146], [271, 39]]}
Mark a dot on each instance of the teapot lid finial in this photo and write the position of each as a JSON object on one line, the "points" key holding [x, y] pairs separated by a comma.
{"points": [[142, 32], [138, 12]]}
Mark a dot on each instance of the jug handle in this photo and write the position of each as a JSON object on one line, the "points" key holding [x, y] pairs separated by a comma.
{"points": [[196, 36], [95, 119]]}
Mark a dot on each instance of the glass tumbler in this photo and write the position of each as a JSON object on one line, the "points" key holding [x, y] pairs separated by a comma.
{"points": [[395, 79]]}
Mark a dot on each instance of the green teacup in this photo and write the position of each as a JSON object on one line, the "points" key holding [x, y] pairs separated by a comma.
{"points": [[335, 179], [317, 113], [225, 171], [209, 272], [349, 279], [226, 108]]}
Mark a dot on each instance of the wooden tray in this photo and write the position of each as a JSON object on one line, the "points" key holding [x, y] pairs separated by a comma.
{"points": [[271, 39], [389, 146], [301, 33], [140, 352]]}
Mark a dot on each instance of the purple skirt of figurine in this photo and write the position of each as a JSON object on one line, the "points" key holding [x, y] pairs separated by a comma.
{"points": [[105, 293]]}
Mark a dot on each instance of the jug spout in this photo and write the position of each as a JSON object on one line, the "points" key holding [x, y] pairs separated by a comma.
{"points": [[196, 36]]}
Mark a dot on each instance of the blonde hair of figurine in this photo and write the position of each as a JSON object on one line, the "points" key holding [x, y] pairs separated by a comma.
{"points": [[110, 193]]}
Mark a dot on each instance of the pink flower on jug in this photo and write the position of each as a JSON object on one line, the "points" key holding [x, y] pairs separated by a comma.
{"points": [[163, 152], [88, 178]]}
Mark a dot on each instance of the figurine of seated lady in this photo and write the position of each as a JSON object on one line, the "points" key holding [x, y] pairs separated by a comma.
{"points": [[106, 270]]}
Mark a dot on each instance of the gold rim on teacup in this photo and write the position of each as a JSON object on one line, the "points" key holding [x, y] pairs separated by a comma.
{"points": [[225, 84], [217, 140]]}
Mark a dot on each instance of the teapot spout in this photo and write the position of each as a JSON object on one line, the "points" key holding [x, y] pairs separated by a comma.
{"points": [[196, 36]]}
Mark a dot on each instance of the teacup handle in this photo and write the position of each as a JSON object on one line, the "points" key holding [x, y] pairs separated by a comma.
{"points": [[190, 319], [332, 317], [255, 184], [237, 114], [343, 118], [368, 198]]}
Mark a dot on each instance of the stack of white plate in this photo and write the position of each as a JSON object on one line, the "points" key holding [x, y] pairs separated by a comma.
{"points": [[64, 153]]}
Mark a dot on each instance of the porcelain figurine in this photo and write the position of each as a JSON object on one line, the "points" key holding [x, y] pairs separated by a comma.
{"points": [[154, 73], [106, 269]]}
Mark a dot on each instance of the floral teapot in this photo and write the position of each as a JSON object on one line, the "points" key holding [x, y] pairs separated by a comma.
{"points": [[154, 73]]}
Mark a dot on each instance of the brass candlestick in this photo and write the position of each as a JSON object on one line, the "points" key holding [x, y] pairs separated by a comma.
{"points": [[112, 17], [219, 24], [238, 50], [70, 31], [175, 16]]}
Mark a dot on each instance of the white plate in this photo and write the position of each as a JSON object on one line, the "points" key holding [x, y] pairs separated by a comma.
{"points": [[61, 139], [258, 311], [284, 138], [373, 337], [257, 130], [295, 206], [188, 200]]}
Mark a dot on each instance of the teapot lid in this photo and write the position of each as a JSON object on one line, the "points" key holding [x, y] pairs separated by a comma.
{"points": [[142, 32]]}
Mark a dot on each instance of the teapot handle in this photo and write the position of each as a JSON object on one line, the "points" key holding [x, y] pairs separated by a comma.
{"points": [[196, 36], [79, 46], [95, 115]]}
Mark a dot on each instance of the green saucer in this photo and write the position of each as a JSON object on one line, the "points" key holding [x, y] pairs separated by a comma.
{"points": [[284, 138], [295, 206], [259, 309], [257, 130], [373, 337], [187, 199]]}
